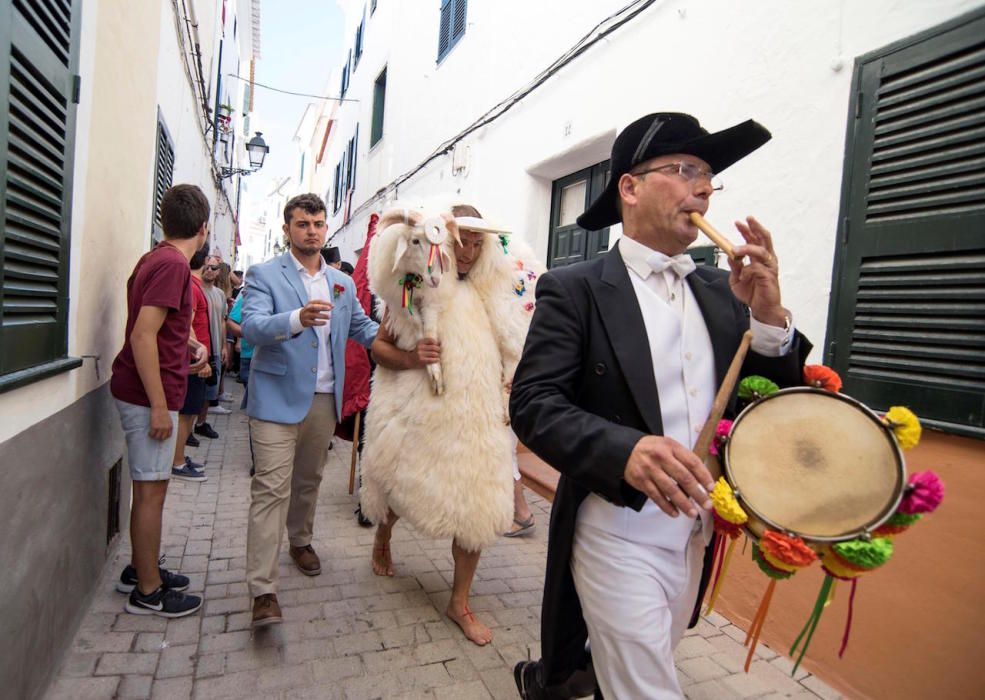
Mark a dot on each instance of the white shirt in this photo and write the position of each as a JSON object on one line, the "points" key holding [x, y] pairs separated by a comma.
{"points": [[683, 365], [316, 286]]}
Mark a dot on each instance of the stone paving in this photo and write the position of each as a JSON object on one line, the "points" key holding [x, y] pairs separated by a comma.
{"points": [[347, 633]]}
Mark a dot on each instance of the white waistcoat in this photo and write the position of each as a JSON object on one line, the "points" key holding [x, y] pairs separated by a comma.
{"points": [[684, 369]]}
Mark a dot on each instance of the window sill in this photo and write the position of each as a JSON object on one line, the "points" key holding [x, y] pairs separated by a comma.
{"points": [[30, 375]]}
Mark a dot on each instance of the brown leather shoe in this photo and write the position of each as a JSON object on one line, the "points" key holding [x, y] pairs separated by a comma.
{"points": [[306, 560], [266, 610]]}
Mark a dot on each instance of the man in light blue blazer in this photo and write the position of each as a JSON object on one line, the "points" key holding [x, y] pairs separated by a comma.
{"points": [[298, 314]]}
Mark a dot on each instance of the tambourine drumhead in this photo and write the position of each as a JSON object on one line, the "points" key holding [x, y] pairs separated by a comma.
{"points": [[814, 463]]}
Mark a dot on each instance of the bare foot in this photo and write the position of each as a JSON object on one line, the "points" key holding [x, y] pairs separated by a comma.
{"points": [[382, 560], [473, 629]]}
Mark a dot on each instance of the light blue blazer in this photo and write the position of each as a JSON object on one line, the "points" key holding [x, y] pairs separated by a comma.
{"points": [[284, 367]]}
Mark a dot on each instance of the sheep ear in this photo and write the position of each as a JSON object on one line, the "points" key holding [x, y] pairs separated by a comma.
{"points": [[452, 226], [401, 249]]}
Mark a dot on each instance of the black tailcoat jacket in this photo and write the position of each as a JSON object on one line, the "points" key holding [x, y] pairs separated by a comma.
{"points": [[583, 396]]}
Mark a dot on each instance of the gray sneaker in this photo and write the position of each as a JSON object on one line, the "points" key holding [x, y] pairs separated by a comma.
{"points": [[188, 472]]}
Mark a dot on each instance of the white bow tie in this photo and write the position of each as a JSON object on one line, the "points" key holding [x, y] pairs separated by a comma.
{"points": [[682, 264]]}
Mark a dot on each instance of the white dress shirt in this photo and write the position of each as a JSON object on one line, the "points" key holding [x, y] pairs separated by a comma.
{"points": [[316, 286], [684, 369]]}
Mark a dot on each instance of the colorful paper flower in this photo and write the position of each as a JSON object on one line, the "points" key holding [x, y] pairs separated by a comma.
{"points": [[822, 377], [833, 567], [789, 551], [756, 387], [905, 426], [724, 528], [529, 306], [725, 503], [864, 556], [924, 493], [337, 291], [896, 524], [721, 432], [766, 567]]}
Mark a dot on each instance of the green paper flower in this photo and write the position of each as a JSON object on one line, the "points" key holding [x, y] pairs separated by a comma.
{"points": [[865, 555], [756, 387]]}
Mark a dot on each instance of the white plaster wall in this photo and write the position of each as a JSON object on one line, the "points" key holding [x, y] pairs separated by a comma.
{"points": [[113, 185], [787, 64]]}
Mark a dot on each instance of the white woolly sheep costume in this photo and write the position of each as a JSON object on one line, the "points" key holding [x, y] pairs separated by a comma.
{"points": [[444, 462]]}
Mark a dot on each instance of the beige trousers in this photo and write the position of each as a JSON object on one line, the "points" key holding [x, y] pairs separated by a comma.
{"points": [[289, 460]]}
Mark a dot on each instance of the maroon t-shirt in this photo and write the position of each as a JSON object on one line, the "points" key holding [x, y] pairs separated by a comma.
{"points": [[161, 278]]}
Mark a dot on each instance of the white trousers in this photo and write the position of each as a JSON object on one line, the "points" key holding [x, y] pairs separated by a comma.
{"points": [[637, 600]]}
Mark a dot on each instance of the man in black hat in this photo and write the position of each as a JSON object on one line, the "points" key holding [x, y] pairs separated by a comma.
{"points": [[620, 368], [332, 256]]}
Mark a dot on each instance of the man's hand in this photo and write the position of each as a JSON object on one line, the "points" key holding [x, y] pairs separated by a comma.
{"points": [[670, 475], [757, 285], [160, 423], [315, 313], [205, 372], [200, 358], [427, 352], [224, 355]]}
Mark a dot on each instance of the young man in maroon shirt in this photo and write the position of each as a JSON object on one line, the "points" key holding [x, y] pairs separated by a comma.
{"points": [[149, 382]]}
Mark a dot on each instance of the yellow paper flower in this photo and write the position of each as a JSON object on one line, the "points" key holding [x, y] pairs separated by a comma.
{"points": [[726, 505], [776, 563], [905, 426]]}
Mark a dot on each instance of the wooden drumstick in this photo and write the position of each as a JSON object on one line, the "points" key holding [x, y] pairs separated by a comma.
{"points": [[712, 233], [707, 433]]}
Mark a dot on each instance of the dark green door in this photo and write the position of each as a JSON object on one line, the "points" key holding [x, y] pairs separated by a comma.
{"points": [[570, 196]]}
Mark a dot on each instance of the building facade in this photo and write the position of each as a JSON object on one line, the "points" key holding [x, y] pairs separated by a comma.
{"points": [[873, 187], [105, 105]]}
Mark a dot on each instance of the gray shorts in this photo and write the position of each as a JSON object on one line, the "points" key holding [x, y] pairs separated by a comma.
{"points": [[150, 459]]}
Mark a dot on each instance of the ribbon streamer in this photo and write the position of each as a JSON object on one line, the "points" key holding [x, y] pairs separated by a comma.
{"points": [[848, 622], [723, 564], [757, 623], [811, 624]]}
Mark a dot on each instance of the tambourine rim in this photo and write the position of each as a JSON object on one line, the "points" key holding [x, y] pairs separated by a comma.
{"points": [[866, 530]]}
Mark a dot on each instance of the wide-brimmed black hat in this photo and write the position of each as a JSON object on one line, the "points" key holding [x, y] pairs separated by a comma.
{"points": [[331, 255], [664, 133]]}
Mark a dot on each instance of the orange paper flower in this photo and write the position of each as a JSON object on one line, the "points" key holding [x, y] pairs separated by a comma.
{"points": [[789, 550], [822, 377]]}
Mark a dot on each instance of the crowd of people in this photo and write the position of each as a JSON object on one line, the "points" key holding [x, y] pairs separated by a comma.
{"points": [[618, 372]]}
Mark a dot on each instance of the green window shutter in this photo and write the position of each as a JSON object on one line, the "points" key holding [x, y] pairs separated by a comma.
{"points": [[704, 255], [907, 319], [163, 174], [379, 102], [38, 63]]}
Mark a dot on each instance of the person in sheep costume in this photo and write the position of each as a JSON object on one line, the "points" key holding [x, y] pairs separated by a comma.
{"points": [[438, 451]]}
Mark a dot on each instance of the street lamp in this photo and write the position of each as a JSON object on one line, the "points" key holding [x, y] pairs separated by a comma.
{"points": [[256, 149]]}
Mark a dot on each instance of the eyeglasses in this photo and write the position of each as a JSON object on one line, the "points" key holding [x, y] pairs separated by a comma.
{"points": [[214, 268], [688, 172]]}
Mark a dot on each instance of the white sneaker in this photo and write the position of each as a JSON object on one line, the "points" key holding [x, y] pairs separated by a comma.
{"points": [[219, 410], [225, 396]]}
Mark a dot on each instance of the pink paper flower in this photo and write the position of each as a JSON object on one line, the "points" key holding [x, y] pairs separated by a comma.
{"points": [[923, 494], [724, 428]]}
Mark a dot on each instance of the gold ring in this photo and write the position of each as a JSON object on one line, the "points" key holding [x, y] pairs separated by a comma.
{"points": [[769, 258]]}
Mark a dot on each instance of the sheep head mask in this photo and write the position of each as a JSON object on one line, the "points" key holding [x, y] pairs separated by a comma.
{"points": [[421, 247]]}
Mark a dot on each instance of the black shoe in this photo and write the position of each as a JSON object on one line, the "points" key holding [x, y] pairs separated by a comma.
{"points": [[362, 519], [529, 681], [192, 441], [206, 430], [163, 602], [169, 579]]}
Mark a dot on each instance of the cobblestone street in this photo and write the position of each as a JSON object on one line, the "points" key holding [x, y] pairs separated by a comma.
{"points": [[347, 633]]}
